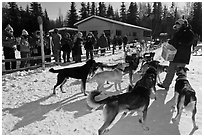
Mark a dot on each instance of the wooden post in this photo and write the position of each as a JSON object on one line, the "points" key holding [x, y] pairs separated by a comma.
{"points": [[40, 21]]}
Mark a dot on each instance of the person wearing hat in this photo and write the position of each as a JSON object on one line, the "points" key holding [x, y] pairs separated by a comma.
{"points": [[24, 48], [103, 43], [89, 45], [9, 47], [77, 48], [56, 49], [67, 45], [182, 40]]}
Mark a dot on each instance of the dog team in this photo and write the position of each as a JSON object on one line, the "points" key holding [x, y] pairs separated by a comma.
{"points": [[138, 95]]}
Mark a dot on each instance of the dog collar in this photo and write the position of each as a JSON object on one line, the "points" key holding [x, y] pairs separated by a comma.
{"points": [[120, 69], [183, 78]]}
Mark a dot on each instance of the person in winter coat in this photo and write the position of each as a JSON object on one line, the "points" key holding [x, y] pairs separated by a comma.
{"points": [[56, 49], [96, 46], [120, 42], [24, 48], [77, 48], [89, 45], [103, 43], [182, 40], [35, 48], [114, 42], [125, 41], [9, 47], [67, 45], [48, 46]]}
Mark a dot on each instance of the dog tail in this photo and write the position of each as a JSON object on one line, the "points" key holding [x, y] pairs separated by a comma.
{"points": [[129, 88], [91, 100], [53, 71]]}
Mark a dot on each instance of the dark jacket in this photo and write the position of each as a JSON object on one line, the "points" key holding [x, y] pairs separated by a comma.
{"points": [[76, 50], [125, 40], [67, 44], [182, 41], [103, 41], [8, 41], [89, 44]]}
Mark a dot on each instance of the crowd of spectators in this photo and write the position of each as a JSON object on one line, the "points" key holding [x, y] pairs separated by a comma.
{"points": [[60, 45]]}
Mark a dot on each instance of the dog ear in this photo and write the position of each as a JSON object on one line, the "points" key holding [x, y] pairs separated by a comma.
{"points": [[186, 69]]}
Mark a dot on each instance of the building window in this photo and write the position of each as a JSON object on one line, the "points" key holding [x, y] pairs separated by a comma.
{"points": [[134, 34], [118, 32], [84, 33], [95, 33], [107, 32], [147, 34]]}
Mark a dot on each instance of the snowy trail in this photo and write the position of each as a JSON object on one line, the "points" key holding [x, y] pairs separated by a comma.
{"points": [[29, 108]]}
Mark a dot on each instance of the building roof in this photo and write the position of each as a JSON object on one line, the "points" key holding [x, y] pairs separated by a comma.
{"points": [[64, 28], [111, 21]]}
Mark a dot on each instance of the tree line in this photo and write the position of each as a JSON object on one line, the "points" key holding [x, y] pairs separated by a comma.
{"points": [[156, 15]]}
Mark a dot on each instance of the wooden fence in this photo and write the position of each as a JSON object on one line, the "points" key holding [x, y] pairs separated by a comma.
{"points": [[34, 58]]}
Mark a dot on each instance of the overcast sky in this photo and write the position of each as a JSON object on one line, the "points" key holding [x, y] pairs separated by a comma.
{"points": [[57, 7]]}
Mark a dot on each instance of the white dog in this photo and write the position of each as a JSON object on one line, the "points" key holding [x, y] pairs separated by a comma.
{"points": [[111, 76]]}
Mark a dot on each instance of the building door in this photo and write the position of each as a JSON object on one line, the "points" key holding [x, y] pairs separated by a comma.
{"points": [[95, 33], [107, 33], [118, 32]]}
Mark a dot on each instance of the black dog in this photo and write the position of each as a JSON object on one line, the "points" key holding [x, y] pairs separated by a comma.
{"points": [[136, 99], [156, 64], [133, 61], [185, 97], [148, 57], [148, 81], [76, 72]]}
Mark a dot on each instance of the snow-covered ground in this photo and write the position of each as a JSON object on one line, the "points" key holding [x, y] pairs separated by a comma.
{"points": [[28, 106]]}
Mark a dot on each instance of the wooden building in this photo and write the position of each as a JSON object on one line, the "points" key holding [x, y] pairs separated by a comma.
{"points": [[98, 25]]}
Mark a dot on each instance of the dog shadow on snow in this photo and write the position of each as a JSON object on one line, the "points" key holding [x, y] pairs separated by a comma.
{"points": [[80, 107], [34, 111], [158, 120]]}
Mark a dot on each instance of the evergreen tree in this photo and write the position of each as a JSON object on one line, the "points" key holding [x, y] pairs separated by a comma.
{"points": [[14, 17], [110, 12], [196, 19], [5, 16], [88, 8], [149, 9], [35, 11], [93, 8], [25, 19], [123, 14], [83, 11], [131, 15], [116, 16], [157, 12], [46, 21], [102, 9], [72, 16]]}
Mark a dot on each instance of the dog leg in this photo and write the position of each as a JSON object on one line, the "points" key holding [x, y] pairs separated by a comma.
{"points": [[83, 86], [116, 86], [62, 85], [60, 80], [130, 76], [142, 119], [176, 94], [180, 106], [119, 85], [109, 116], [195, 127], [100, 86], [158, 79]]}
